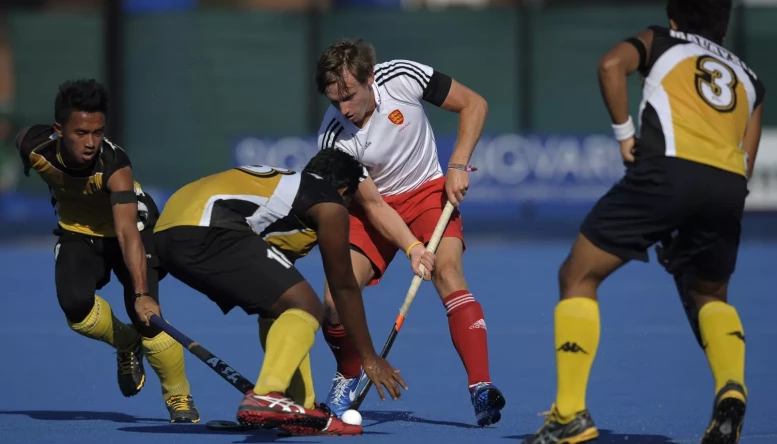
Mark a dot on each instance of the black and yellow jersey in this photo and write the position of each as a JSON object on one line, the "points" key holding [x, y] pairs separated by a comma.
{"points": [[80, 197], [696, 101], [271, 202]]}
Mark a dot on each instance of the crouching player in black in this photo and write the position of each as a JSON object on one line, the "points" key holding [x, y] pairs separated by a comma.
{"points": [[234, 236], [686, 178], [105, 224]]}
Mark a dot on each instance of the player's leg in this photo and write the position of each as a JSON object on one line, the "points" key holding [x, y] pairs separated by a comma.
{"points": [[239, 269], [301, 389], [370, 256], [576, 331], [345, 382], [705, 254], [723, 340], [297, 315], [80, 269], [466, 321], [665, 252], [639, 210], [163, 353]]}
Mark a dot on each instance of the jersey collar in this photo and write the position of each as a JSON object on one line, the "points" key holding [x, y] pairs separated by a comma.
{"points": [[376, 93]]}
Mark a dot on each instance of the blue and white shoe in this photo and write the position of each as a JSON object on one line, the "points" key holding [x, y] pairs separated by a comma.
{"points": [[488, 402], [342, 393]]}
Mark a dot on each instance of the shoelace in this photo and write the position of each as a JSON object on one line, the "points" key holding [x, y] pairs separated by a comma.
{"points": [[180, 403], [341, 385], [126, 362], [550, 415]]}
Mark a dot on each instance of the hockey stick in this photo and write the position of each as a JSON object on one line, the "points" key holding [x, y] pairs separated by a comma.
{"points": [[414, 285], [223, 369]]}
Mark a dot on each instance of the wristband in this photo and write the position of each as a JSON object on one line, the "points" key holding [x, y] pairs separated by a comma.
{"points": [[624, 130], [460, 167], [407, 251], [140, 295]]}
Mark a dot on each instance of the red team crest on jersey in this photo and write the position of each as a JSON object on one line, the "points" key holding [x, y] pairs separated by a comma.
{"points": [[396, 117]]}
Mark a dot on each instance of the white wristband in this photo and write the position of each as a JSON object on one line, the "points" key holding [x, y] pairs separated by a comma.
{"points": [[624, 130]]}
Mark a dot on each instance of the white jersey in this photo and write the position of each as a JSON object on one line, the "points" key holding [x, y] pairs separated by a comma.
{"points": [[396, 146]]}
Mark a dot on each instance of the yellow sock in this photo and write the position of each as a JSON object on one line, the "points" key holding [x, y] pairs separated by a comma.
{"points": [[300, 388], [100, 324], [724, 343], [577, 338], [288, 342], [165, 356]]}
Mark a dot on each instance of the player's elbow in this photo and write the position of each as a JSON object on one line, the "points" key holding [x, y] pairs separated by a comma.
{"points": [[608, 65], [124, 236], [479, 104], [374, 207], [126, 231], [344, 290]]}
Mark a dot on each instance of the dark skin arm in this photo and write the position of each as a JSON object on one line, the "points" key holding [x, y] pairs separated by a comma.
{"points": [[614, 69], [333, 226], [125, 221], [753, 138]]}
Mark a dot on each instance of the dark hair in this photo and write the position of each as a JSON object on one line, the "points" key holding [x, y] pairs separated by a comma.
{"points": [[707, 18], [356, 56], [81, 96], [336, 167]]}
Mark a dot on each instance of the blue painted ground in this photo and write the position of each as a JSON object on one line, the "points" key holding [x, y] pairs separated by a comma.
{"points": [[650, 382]]}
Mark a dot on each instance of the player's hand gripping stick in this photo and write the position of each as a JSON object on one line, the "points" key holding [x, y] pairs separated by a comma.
{"points": [[414, 285]]}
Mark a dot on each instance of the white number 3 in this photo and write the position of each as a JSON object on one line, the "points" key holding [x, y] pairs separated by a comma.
{"points": [[716, 83]]}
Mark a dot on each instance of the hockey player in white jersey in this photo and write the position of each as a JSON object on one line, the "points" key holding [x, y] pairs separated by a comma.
{"points": [[377, 115]]}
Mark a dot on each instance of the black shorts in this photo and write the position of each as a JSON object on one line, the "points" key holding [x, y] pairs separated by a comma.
{"points": [[232, 268], [697, 206], [83, 265]]}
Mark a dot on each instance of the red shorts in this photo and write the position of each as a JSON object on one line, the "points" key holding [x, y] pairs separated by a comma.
{"points": [[420, 209]]}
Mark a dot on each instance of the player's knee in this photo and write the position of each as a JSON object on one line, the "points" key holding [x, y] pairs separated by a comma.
{"points": [[75, 304], [564, 274], [301, 296], [574, 273], [447, 273], [705, 291], [315, 309]]}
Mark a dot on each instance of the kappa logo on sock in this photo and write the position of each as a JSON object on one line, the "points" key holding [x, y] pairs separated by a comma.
{"points": [[738, 334], [571, 347], [480, 323]]}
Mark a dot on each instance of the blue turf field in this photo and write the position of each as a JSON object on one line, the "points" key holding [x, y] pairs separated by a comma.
{"points": [[650, 382]]}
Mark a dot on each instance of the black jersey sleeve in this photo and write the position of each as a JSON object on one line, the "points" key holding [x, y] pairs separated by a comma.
{"points": [[662, 42], [114, 158], [760, 92], [28, 139]]}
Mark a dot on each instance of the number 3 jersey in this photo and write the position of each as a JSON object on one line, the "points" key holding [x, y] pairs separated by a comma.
{"points": [[271, 202], [697, 100]]}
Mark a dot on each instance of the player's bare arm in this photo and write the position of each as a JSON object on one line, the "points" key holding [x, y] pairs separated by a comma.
{"points": [[332, 229], [472, 109], [615, 67], [391, 226], [125, 213], [753, 138]]}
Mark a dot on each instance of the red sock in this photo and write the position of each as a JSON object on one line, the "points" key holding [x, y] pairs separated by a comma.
{"points": [[348, 362], [468, 331]]}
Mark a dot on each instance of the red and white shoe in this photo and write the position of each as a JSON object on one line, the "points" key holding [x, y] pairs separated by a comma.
{"points": [[320, 421], [272, 410]]}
